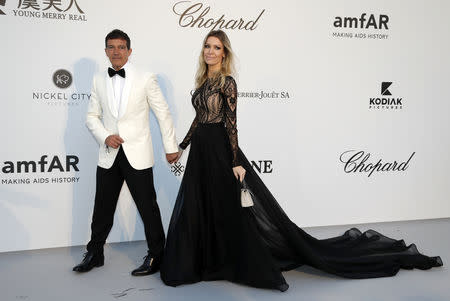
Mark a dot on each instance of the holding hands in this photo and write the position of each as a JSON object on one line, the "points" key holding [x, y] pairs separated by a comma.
{"points": [[115, 141], [174, 157]]}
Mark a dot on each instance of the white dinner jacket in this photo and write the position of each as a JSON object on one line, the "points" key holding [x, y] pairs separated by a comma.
{"points": [[140, 94]]}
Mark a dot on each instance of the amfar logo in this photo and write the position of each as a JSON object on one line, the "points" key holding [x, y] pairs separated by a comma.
{"points": [[196, 14], [2, 3], [23, 172], [44, 165], [62, 78], [358, 161], [364, 22], [387, 103], [354, 22], [262, 166]]}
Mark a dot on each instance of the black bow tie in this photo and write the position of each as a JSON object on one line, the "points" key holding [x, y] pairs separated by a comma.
{"points": [[113, 72]]}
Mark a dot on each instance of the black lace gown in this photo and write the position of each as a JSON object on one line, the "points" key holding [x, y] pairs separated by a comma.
{"points": [[211, 237]]}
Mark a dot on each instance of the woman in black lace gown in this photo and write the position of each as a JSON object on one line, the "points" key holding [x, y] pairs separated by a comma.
{"points": [[211, 236]]}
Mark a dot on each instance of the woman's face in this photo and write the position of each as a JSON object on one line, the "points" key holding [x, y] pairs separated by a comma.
{"points": [[213, 52]]}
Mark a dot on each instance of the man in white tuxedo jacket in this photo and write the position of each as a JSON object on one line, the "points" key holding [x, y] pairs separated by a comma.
{"points": [[118, 117]]}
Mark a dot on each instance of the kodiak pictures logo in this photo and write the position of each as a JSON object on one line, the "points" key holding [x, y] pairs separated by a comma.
{"points": [[384, 102], [365, 26], [384, 88]]}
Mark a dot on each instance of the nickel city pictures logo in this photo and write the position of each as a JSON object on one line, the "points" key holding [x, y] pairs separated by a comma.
{"points": [[385, 103], [62, 78]]}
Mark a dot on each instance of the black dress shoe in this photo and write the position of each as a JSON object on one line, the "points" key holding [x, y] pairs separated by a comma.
{"points": [[90, 261], [148, 267]]}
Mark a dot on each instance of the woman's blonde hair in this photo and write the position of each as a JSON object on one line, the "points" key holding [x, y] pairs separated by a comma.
{"points": [[227, 62]]}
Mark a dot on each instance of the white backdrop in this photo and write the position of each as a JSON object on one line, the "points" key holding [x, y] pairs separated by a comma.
{"points": [[293, 49]]}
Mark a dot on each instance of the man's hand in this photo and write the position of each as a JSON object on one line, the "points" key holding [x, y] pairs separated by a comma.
{"points": [[113, 141], [171, 157], [174, 157]]}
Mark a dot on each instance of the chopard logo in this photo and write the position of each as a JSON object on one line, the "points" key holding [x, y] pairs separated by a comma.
{"points": [[197, 15], [358, 161]]}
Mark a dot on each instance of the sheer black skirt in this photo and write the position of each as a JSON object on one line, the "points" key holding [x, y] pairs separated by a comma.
{"points": [[212, 237]]}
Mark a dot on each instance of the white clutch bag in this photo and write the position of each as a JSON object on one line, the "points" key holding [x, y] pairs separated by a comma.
{"points": [[246, 196]]}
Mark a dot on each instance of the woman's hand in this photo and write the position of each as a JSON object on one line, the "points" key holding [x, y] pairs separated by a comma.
{"points": [[239, 173]]}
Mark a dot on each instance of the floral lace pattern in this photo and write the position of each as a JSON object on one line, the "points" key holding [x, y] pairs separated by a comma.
{"points": [[213, 105]]}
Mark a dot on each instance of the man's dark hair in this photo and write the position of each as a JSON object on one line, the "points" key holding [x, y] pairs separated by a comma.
{"points": [[118, 34]]}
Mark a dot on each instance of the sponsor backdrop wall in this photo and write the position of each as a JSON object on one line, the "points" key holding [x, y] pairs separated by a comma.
{"points": [[343, 107]]}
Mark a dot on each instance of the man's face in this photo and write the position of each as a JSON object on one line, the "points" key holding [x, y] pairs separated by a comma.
{"points": [[117, 52]]}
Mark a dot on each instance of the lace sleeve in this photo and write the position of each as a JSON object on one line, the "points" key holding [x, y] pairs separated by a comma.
{"points": [[188, 137], [230, 92]]}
